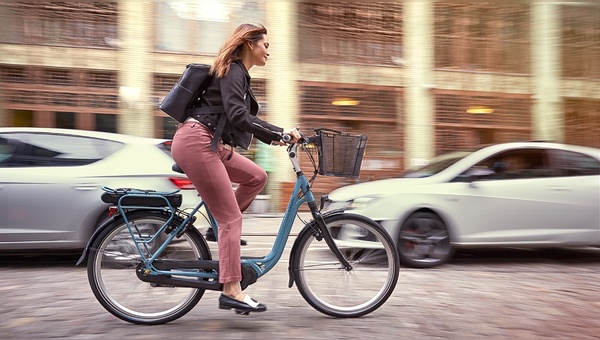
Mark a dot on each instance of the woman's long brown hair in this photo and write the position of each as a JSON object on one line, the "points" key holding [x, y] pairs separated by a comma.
{"points": [[233, 46]]}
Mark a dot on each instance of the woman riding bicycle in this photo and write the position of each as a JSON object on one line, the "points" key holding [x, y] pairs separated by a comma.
{"points": [[198, 148]]}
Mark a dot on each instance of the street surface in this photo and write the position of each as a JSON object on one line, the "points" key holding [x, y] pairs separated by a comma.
{"points": [[493, 294]]}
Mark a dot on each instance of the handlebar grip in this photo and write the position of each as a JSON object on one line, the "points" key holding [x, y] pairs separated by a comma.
{"points": [[286, 138]]}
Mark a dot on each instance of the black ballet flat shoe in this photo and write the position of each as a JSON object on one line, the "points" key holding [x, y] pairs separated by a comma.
{"points": [[210, 236], [241, 307]]}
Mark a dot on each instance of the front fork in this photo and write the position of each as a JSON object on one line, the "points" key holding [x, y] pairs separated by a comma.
{"points": [[318, 229], [323, 232]]}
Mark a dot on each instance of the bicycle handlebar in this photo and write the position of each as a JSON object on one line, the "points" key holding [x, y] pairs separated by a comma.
{"points": [[287, 138]]}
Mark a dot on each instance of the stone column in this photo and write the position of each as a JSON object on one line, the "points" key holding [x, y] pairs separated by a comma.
{"points": [[136, 115], [419, 142], [86, 121], [547, 112], [44, 118], [282, 87]]}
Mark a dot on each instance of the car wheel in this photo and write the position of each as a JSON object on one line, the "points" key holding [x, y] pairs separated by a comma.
{"points": [[424, 241]]}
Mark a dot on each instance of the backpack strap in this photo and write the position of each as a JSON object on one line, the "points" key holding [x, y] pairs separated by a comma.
{"points": [[198, 111], [218, 132]]}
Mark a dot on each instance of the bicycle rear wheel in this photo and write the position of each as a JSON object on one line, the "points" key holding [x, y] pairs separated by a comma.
{"points": [[112, 275], [331, 289]]}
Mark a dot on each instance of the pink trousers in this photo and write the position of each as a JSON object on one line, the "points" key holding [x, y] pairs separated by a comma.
{"points": [[212, 174]]}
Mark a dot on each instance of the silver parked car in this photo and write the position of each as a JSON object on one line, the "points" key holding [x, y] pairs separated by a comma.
{"points": [[51, 180], [526, 194]]}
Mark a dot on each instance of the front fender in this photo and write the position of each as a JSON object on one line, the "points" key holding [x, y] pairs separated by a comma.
{"points": [[308, 228]]}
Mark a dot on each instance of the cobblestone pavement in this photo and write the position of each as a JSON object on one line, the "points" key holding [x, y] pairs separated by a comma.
{"points": [[495, 294]]}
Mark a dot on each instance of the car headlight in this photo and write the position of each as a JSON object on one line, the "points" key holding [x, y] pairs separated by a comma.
{"points": [[356, 203], [330, 205], [360, 202]]}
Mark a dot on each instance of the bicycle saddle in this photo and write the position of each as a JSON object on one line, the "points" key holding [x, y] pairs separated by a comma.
{"points": [[176, 168]]}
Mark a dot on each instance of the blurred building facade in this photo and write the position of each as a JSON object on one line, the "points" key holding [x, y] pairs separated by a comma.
{"points": [[420, 78]]}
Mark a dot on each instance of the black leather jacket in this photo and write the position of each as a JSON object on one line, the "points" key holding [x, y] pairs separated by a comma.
{"points": [[233, 93]]}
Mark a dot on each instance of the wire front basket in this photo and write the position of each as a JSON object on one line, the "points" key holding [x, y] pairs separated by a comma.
{"points": [[340, 154]]}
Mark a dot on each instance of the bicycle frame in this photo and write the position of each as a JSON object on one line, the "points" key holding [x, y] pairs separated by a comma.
{"points": [[301, 194]]}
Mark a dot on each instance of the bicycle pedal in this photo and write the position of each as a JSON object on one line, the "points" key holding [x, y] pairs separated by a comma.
{"points": [[242, 312]]}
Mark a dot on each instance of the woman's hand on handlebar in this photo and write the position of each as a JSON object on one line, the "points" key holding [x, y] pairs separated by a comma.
{"points": [[289, 136], [295, 133]]}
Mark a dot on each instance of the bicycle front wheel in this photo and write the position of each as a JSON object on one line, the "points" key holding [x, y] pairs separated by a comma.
{"points": [[331, 289], [112, 275]]}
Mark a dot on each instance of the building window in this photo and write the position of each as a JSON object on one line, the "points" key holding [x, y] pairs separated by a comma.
{"points": [[354, 109], [465, 120], [164, 82], [581, 40], [87, 24], [358, 110], [201, 27], [347, 32], [65, 120], [69, 92], [57, 77], [106, 122], [582, 122], [22, 118], [482, 37], [14, 74], [102, 79]]}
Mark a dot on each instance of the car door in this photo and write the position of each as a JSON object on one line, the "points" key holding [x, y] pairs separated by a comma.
{"points": [[578, 190], [40, 205], [43, 191], [516, 205]]}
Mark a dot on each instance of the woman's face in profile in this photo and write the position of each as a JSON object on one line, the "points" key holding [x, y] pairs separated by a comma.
{"points": [[259, 52]]}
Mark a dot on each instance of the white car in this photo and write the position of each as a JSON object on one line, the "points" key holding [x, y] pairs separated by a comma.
{"points": [[522, 194], [51, 180]]}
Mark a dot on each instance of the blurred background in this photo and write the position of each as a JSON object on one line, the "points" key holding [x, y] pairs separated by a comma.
{"points": [[419, 78]]}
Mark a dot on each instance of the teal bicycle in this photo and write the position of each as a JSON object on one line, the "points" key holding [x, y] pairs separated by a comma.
{"points": [[148, 264]]}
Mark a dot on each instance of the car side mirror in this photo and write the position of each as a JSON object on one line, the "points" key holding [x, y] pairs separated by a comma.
{"points": [[476, 173]]}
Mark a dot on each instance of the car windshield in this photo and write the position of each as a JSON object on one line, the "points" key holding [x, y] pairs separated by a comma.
{"points": [[436, 165], [27, 149]]}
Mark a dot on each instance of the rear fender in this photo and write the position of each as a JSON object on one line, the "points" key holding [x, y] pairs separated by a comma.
{"points": [[97, 232]]}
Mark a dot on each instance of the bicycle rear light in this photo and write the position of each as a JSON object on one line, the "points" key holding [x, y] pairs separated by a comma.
{"points": [[112, 210]]}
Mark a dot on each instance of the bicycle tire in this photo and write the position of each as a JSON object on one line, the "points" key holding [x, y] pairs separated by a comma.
{"points": [[112, 275], [330, 288]]}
